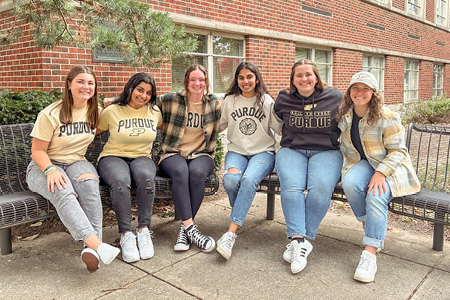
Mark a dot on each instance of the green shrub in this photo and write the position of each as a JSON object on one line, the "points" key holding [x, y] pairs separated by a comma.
{"points": [[218, 157], [426, 111], [23, 107]]}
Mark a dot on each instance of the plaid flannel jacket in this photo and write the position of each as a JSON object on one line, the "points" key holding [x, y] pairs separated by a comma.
{"points": [[174, 115], [385, 149]]}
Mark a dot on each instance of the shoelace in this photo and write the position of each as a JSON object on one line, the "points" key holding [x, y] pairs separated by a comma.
{"points": [[128, 242], [297, 251], [228, 241], [364, 264], [198, 238], [146, 238], [182, 238]]}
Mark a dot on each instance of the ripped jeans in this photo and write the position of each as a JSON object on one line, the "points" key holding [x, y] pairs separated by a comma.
{"points": [[241, 186], [78, 205], [117, 173]]}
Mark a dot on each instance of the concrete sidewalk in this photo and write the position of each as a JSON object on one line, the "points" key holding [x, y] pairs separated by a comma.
{"points": [[49, 267]]}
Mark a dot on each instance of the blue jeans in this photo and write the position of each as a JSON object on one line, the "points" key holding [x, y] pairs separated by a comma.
{"points": [[117, 173], [367, 208], [78, 205], [316, 171], [241, 187]]}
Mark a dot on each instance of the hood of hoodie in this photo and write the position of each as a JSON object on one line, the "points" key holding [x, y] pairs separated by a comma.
{"points": [[309, 122]]}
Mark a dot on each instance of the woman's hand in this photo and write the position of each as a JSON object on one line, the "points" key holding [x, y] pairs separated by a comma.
{"points": [[55, 177], [107, 101], [377, 183]]}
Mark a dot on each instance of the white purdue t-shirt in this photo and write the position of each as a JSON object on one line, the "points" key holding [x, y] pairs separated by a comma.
{"points": [[68, 143]]}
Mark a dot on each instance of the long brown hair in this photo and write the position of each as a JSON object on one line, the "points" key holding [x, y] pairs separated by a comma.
{"points": [[375, 106], [188, 72], [320, 84], [65, 115]]}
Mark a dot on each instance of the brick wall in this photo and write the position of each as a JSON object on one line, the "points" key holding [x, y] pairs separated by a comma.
{"points": [[274, 58], [447, 80], [394, 79], [345, 64], [425, 79], [24, 66]]}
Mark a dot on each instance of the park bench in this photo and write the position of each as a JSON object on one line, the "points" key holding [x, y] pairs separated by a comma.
{"points": [[429, 147], [18, 205]]}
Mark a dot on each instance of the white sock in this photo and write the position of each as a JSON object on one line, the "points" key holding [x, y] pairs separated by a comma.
{"points": [[107, 253], [186, 227]]}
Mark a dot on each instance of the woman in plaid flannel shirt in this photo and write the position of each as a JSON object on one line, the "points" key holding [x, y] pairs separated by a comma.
{"points": [[376, 165], [190, 128]]}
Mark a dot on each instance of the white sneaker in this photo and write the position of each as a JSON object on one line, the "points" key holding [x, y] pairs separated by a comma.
{"points": [[287, 255], [145, 244], [204, 242], [90, 258], [299, 254], [130, 251], [107, 253], [225, 244], [367, 267], [182, 243]]}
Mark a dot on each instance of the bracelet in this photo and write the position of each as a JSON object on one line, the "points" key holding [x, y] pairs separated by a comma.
{"points": [[48, 170], [48, 167]]}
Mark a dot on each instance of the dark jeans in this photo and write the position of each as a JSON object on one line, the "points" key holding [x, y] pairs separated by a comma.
{"points": [[188, 182], [117, 172]]}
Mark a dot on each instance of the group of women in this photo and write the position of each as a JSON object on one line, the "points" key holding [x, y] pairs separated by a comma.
{"points": [[325, 137]]}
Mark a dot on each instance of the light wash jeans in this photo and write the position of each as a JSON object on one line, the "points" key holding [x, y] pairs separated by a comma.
{"points": [[241, 187], [78, 205], [367, 208], [117, 173], [318, 172]]}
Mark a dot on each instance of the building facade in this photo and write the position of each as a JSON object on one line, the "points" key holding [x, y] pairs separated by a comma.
{"points": [[404, 43]]}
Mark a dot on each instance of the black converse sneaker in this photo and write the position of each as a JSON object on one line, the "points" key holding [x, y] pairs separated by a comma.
{"points": [[204, 242], [182, 243]]}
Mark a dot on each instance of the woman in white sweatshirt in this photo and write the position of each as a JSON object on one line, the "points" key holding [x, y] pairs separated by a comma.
{"points": [[248, 113]]}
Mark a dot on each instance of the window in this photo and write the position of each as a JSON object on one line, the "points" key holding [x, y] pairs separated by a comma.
{"points": [[322, 58], [411, 81], [375, 65], [442, 12], [220, 55], [438, 80], [414, 7]]}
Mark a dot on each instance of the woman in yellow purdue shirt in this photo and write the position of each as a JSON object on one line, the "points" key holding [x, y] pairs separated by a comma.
{"points": [[132, 121], [61, 135]]}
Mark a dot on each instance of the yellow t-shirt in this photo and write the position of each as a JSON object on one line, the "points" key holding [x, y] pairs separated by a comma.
{"points": [[194, 136], [68, 143], [131, 131]]}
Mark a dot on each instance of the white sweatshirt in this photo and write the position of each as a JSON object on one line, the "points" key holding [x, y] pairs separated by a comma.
{"points": [[249, 128]]}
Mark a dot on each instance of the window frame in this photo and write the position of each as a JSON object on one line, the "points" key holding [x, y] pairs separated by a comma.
{"points": [[421, 7], [406, 92], [210, 52], [438, 86], [382, 69], [313, 50], [446, 14]]}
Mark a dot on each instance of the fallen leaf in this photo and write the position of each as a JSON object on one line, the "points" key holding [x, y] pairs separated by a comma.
{"points": [[30, 238], [36, 224]]}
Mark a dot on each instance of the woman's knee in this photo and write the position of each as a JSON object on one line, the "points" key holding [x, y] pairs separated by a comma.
{"points": [[231, 178]]}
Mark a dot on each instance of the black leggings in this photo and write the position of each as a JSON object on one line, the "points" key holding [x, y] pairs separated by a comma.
{"points": [[188, 182]]}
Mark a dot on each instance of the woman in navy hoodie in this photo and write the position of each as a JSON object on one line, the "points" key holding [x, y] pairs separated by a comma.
{"points": [[309, 158]]}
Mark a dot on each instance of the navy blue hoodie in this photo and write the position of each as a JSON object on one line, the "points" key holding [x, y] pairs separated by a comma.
{"points": [[309, 123]]}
